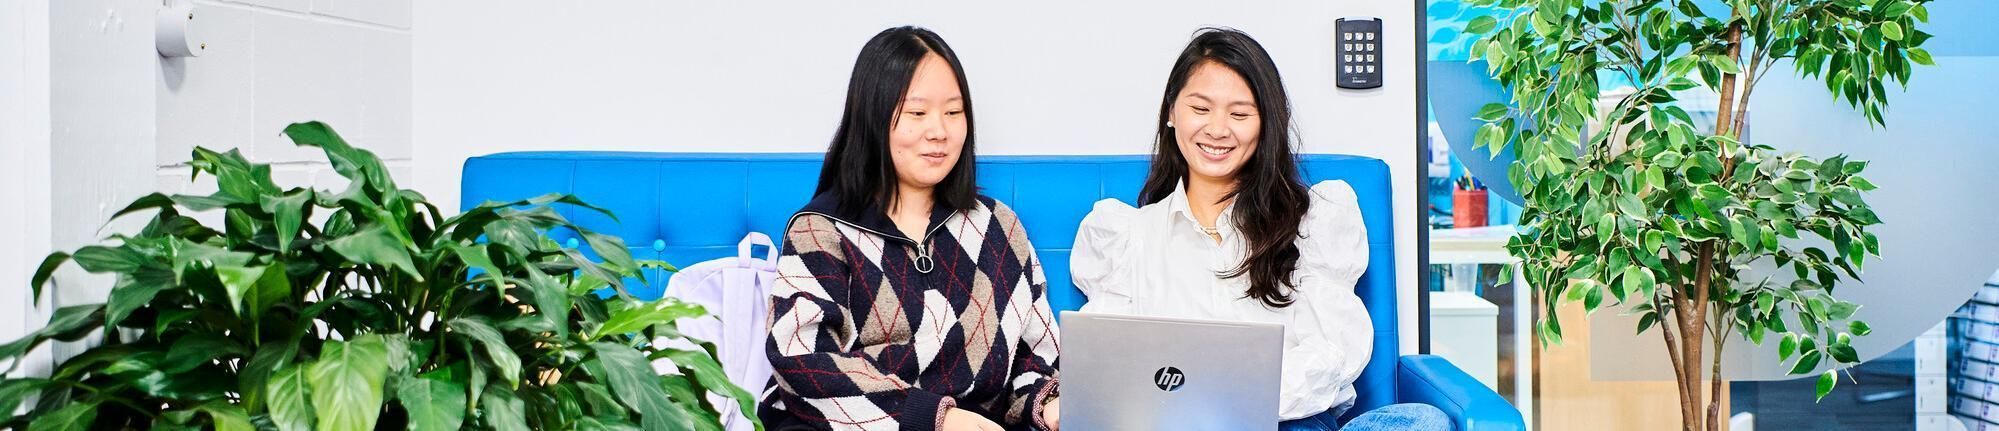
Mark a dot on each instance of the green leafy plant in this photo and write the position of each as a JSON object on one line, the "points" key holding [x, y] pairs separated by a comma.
{"points": [[1663, 215], [385, 315]]}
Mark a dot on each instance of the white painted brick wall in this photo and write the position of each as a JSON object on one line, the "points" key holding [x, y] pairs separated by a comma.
{"points": [[122, 120], [271, 63]]}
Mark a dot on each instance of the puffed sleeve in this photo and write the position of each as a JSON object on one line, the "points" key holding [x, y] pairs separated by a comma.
{"points": [[1094, 262], [1330, 337]]}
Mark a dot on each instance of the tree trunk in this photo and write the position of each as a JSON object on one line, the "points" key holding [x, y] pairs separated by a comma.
{"points": [[1693, 315]]}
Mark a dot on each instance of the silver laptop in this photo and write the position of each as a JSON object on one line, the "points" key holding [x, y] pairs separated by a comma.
{"points": [[1151, 373]]}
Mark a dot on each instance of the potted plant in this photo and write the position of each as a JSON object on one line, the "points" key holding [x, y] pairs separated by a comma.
{"points": [[1664, 216], [386, 314]]}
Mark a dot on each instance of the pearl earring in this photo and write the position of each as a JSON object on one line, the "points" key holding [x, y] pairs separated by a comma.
{"points": [[1169, 124]]}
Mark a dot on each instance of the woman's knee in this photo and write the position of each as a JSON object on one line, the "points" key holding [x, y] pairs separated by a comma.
{"points": [[1420, 416]]}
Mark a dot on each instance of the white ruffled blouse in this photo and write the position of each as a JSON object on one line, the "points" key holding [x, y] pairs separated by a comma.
{"points": [[1157, 261]]}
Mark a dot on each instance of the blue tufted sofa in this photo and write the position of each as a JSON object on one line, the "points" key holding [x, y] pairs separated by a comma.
{"points": [[689, 207]]}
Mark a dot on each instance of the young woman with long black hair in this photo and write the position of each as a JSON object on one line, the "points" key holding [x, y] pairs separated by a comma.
{"points": [[1229, 231], [905, 300]]}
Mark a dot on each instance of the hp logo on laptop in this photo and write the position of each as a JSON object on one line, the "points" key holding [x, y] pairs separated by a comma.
{"points": [[1169, 379]]}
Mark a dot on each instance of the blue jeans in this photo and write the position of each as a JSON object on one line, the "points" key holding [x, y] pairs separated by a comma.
{"points": [[1413, 417]]}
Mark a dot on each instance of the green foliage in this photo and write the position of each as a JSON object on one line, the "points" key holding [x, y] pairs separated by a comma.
{"points": [[1638, 199], [385, 315]]}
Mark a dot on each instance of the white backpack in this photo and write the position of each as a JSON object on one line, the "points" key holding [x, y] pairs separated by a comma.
{"points": [[735, 291]]}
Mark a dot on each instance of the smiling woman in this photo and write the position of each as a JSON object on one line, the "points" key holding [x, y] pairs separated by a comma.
{"points": [[1229, 231]]}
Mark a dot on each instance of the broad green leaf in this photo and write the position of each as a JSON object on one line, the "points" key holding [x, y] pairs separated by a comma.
{"points": [[1491, 112], [1859, 328], [1631, 206], [102, 259], [253, 289], [253, 382], [149, 201], [647, 314], [353, 163], [196, 349], [67, 324], [709, 373], [375, 245], [398, 348], [134, 290], [228, 417], [1639, 279], [1891, 30], [492, 344], [1826, 382], [1786, 347], [1806, 363], [1921, 56], [552, 301], [475, 257], [595, 424], [686, 394], [1481, 24], [13, 391], [1646, 321], [1843, 353], [435, 401], [1489, 136], [346, 383], [600, 400], [236, 178], [1724, 64], [43, 272], [288, 212], [77, 416], [502, 411], [611, 249], [635, 383], [584, 266], [1861, 183]]}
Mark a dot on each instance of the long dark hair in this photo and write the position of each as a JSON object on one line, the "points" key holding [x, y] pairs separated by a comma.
{"points": [[858, 171], [1270, 196]]}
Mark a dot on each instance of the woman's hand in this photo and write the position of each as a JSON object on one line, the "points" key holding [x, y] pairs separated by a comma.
{"points": [[1051, 414], [961, 420]]}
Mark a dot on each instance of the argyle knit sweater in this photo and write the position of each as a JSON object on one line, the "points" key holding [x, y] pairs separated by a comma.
{"points": [[873, 330]]}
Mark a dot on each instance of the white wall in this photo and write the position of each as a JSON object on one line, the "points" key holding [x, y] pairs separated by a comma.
{"points": [[117, 121], [24, 163], [1049, 77]]}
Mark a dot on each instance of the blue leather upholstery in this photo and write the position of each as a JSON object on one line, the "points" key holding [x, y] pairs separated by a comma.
{"points": [[689, 207]]}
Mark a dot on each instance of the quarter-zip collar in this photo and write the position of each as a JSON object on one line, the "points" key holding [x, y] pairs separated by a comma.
{"points": [[877, 222], [874, 220]]}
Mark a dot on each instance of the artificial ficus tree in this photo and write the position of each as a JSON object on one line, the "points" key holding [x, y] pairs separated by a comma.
{"points": [[1662, 215]]}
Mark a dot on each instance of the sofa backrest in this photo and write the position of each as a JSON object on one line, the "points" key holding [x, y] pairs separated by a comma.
{"points": [[685, 208]]}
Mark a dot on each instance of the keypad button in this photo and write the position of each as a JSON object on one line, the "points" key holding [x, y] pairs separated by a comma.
{"points": [[1349, 69], [1370, 36], [1370, 68], [1370, 58]]}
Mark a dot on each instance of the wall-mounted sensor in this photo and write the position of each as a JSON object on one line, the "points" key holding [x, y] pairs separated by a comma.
{"points": [[174, 33]]}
